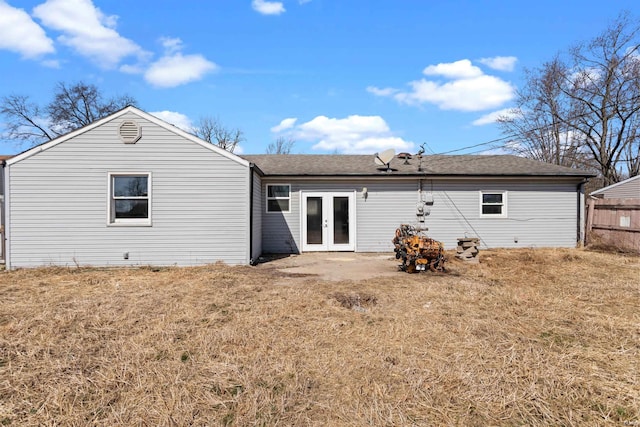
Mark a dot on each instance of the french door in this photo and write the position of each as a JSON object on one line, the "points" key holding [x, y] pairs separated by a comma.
{"points": [[328, 221]]}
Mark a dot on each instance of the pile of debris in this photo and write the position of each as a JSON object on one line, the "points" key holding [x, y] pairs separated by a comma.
{"points": [[467, 249], [418, 251]]}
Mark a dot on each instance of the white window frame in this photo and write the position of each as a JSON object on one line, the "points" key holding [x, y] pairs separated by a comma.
{"points": [[277, 198], [128, 222], [503, 213]]}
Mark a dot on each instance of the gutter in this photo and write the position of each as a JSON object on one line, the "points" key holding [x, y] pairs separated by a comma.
{"points": [[2, 223], [424, 176], [4, 216]]}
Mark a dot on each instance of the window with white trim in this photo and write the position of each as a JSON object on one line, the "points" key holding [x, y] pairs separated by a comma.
{"points": [[493, 203], [278, 198], [130, 198]]}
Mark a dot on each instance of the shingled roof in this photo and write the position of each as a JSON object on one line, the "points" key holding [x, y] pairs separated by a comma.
{"points": [[435, 165]]}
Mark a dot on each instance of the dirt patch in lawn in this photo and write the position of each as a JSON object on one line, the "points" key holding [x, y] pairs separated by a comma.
{"points": [[526, 337], [333, 266]]}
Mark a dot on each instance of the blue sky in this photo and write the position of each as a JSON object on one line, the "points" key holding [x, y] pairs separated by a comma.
{"points": [[338, 76]]}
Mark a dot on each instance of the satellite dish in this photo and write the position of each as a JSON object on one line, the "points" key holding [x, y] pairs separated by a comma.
{"points": [[383, 159]]}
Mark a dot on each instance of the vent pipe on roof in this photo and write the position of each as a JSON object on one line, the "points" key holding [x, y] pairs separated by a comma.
{"points": [[419, 155]]}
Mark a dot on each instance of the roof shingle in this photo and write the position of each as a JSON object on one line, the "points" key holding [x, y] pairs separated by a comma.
{"points": [[434, 165]]}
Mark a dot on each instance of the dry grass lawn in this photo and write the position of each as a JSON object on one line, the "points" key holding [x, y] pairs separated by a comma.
{"points": [[528, 337]]}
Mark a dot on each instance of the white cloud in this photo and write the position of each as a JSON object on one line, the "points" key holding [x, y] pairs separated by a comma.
{"points": [[92, 34], [364, 145], [268, 7], [323, 125], [175, 69], [501, 63], [18, 33], [586, 76], [87, 30], [353, 134], [284, 125], [171, 44], [475, 94], [462, 69], [495, 115], [179, 120], [387, 91], [462, 87]]}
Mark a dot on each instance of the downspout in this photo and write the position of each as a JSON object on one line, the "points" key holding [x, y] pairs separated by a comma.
{"points": [[251, 172], [6, 217]]}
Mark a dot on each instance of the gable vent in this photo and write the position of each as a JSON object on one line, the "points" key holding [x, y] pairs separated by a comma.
{"points": [[129, 132]]}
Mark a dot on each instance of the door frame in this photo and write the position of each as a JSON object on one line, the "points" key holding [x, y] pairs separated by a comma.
{"points": [[328, 245]]}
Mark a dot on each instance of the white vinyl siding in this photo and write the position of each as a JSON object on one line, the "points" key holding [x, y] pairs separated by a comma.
{"points": [[59, 202], [542, 213], [377, 216]]}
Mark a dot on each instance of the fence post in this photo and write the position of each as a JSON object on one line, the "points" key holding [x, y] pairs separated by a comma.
{"points": [[587, 234]]}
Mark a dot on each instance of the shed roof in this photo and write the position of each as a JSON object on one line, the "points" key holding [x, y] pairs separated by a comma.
{"points": [[434, 165], [617, 184]]}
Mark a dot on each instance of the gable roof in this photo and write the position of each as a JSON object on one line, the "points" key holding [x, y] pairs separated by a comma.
{"points": [[434, 165], [626, 181], [130, 109]]}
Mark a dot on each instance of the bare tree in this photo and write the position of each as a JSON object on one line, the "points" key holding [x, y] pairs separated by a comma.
{"points": [[78, 105], [604, 89], [633, 157], [540, 133], [211, 130], [25, 120], [281, 145], [588, 104], [72, 107]]}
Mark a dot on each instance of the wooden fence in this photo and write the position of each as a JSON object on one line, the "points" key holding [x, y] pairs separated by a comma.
{"points": [[614, 222]]}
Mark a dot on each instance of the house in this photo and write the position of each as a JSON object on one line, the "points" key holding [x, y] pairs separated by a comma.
{"points": [[627, 189], [128, 189], [131, 189], [346, 202]]}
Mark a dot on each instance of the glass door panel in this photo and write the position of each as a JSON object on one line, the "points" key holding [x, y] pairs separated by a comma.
{"points": [[314, 221], [341, 220]]}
